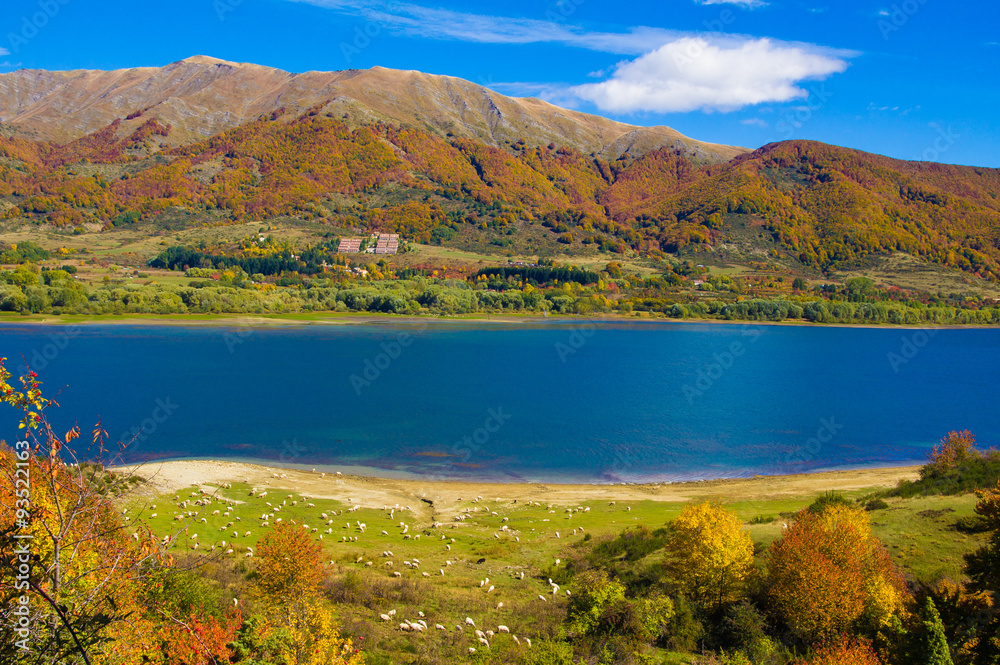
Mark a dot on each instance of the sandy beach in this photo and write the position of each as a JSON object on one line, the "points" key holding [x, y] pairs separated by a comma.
{"points": [[434, 499]]}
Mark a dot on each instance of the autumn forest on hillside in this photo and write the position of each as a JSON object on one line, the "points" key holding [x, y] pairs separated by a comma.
{"points": [[805, 209]]}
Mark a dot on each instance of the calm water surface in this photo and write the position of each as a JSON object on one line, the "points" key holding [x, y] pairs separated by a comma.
{"points": [[536, 401]]}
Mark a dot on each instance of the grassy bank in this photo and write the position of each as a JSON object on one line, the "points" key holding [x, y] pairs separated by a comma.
{"points": [[426, 546]]}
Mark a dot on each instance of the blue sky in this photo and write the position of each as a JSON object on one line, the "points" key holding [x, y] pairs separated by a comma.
{"points": [[913, 79]]}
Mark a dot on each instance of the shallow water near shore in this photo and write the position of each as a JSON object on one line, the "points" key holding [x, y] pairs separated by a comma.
{"points": [[539, 401]]}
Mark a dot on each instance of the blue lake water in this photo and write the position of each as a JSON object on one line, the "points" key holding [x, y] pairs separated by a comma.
{"points": [[550, 402]]}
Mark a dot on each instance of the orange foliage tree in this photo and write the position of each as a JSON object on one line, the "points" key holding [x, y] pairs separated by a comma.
{"points": [[68, 560], [954, 449], [289, 571], [289, 563], [829, 575], [843, 651]]}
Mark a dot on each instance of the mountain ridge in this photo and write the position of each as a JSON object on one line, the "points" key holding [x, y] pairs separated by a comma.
{"points": [[201, 96]]}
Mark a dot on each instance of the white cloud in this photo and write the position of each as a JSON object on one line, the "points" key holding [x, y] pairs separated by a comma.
{"points": [[672, 71], [723, 74], [418, 21], [754, 122], [749, 4], [4, 51]]}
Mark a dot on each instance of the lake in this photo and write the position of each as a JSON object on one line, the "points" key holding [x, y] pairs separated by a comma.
{"points": [[535, 401]]}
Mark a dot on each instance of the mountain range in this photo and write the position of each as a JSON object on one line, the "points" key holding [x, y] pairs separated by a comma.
{"points": [[202, 96], [437, 158]]}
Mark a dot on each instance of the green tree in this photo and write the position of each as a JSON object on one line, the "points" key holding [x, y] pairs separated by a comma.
{"points": [[860, 289], [600, 609], [934, 645], [983, 567]]}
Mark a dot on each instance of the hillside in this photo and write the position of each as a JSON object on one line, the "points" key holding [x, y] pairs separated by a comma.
{"points": [[816, 206], [202, 96]]}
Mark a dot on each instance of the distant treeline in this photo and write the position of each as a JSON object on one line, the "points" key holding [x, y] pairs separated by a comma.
{"points": [[181, 258], [28, 290], [536, 275], [781, 309]]}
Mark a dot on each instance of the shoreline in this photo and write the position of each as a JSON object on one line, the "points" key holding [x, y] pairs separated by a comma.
{"points": [[370, 491], [367, 318]]}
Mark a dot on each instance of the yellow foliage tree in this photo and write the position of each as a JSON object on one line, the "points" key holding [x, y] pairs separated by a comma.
{"points": [[314, 639], [710, 554]]}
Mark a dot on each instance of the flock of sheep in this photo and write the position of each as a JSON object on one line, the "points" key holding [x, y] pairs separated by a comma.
{"points": [[192, 508]]}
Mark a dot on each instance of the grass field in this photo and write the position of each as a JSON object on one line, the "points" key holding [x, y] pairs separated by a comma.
{"points": [[424, 547]]}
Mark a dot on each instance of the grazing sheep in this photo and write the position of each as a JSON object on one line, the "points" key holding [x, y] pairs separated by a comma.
{"points": [[503, 629], [470, 622]]}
